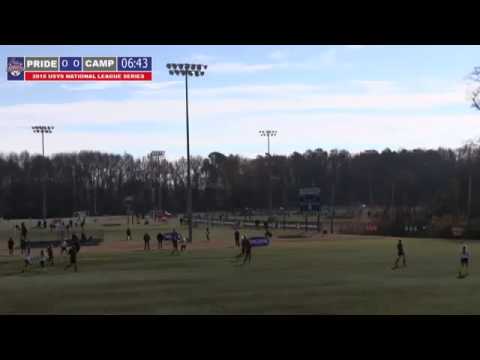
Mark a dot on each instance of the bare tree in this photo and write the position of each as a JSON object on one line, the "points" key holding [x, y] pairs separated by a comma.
{"points": [[475, 93]]}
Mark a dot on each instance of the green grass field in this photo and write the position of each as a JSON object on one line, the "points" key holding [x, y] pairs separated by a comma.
{"points": [[345, 275]]}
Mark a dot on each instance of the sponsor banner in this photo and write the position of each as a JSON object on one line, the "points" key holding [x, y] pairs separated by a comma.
{"points": [[259, 241], [87, 76], [169, 236]]}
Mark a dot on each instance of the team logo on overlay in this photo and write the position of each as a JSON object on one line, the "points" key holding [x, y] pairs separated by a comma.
{"points": [[15, 67]]}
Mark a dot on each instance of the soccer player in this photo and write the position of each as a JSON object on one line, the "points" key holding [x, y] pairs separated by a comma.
{"points": [[146, 239], [27, 260], [73, 258], [268, 234], [247, 249], [464, 260], [23, 246], [183, 246], [237, 238], [63, 247], [10, 246], [24, 231], [400, 255], [62, 230], [243, 247], [160, 238], [43, 258], [129, 234], [207, 233], [175, 237], [50, 254], [76, 242]]}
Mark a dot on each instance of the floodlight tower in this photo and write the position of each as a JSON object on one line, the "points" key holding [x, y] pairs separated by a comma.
{"points": [[156, 158], [186, 70], [268, 134], [42, 129]]}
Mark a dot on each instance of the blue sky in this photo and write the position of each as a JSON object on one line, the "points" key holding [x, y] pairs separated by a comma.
{"points": [[345, 97]]}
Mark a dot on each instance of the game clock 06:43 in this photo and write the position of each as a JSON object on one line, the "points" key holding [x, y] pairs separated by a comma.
{"points": [[134, 63]]}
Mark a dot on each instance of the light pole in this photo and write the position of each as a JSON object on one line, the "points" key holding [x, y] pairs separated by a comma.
{"points": [[268, 134], [74, 182], [42, 129], [156, 157], [187, 70]]}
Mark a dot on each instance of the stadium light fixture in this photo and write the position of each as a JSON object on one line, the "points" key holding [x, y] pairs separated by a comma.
{"points": [[187, 70], [268, 134]]}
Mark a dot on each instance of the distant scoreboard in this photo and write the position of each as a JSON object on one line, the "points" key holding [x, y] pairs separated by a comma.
{"points": [[105, 68], [310, 199]]}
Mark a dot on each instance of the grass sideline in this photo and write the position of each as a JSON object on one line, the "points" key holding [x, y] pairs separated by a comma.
{"points": [[345, 275]]}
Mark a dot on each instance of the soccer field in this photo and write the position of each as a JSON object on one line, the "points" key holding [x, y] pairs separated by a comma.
{"points": [[341, 275]]}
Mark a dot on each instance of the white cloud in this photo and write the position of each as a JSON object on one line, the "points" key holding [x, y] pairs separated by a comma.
{"points": [[270, 90], [278, 55], [74, 86], [227, 119], [202, 58], [377, 86], [209, 105], [233, 67], [296, 132]]}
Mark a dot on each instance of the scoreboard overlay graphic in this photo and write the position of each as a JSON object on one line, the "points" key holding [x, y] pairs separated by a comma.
{"points": [[106, 68]]}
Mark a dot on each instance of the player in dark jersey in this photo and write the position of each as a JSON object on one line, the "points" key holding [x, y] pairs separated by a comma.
{"points": [[237, 238], [129, 234], [464, 260], [400, 255], [175, 238], [247, 249], [268, 234], [50, 255], [10, 246], [76, 242], [73, 258], [23, 246], [24, 231], [160, 239], [146, 240], [207, 233]]}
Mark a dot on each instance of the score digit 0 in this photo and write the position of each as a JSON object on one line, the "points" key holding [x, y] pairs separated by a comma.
{"points": [[70, 64]]}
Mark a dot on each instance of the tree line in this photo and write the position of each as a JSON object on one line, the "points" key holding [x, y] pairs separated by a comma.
{"points": [[439, 180]]}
